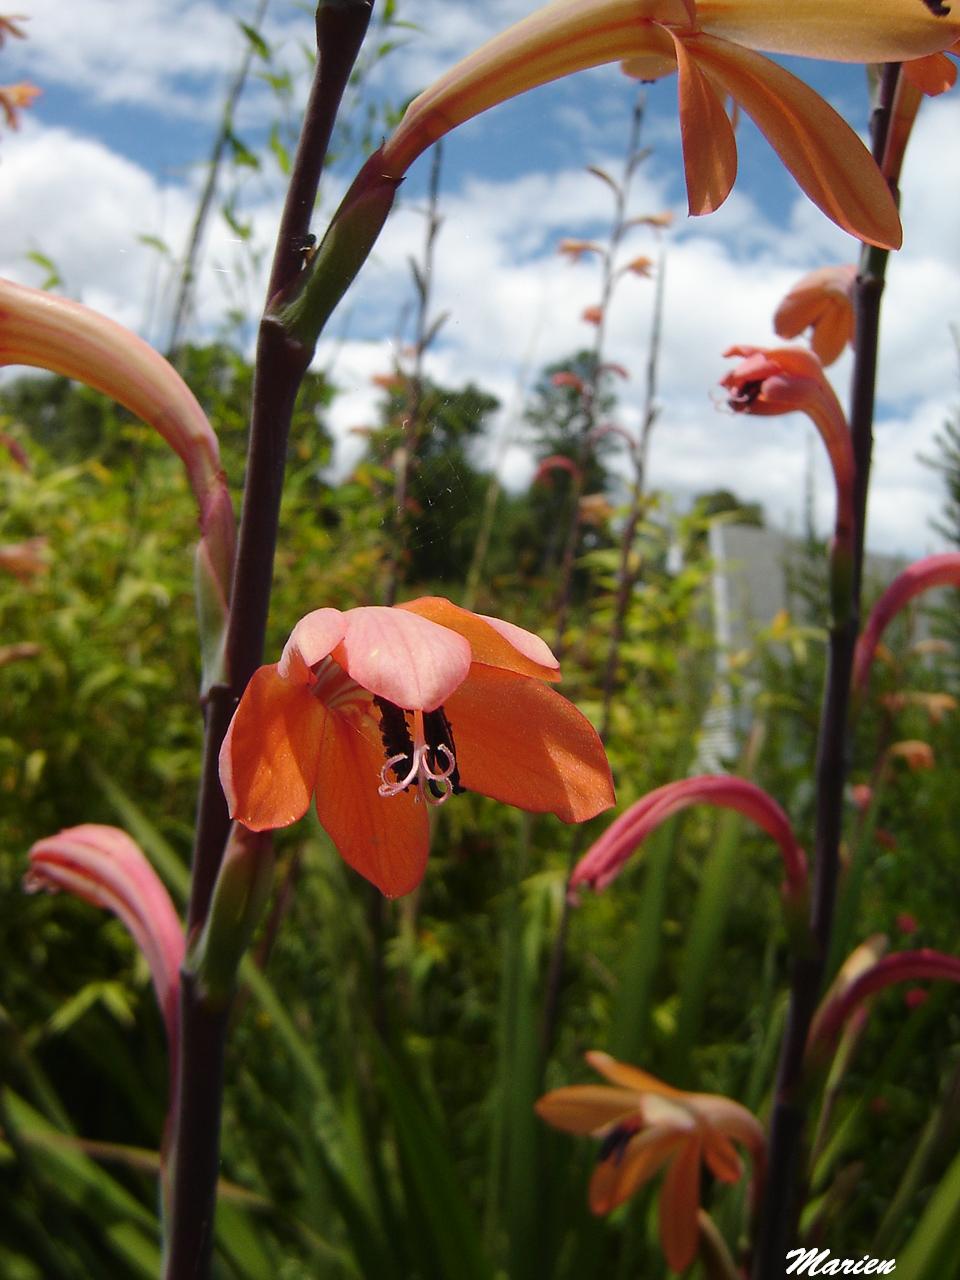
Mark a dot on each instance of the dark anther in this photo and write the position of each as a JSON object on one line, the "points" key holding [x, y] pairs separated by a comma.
{"points": [[936, 8], [395, 736], [437, 732], [615, 1143], [746, 394]]}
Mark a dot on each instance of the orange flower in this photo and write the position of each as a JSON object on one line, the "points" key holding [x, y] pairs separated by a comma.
{"points": [[822, 302], [645, 1124], [710, 45], [13, 97], [774, 380], [383, 712]]}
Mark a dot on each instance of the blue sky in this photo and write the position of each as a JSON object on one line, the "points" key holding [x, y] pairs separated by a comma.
{"points": [[115, 147]]}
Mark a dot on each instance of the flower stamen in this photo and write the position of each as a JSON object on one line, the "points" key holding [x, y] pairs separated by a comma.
{"points": [[425, 758]]}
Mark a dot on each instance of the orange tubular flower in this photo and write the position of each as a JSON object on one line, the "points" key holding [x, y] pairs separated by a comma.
{"points": [[822, 302], [782, 380], [710, 44], [48, 332], [384, 712], [644, 1124]]}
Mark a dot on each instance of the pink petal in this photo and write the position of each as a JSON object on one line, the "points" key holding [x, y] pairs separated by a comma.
{"points": [[399, 656], [314, 637]]}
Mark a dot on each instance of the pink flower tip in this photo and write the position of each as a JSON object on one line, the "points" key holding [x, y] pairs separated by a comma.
{"points": [[933, 571], [102, 865], [605, 859]]}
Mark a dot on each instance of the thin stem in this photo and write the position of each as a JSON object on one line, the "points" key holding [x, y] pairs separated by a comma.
{"points": [[591, 390], [551, 1002], [281, 364], [782, 1194], [187, 282], [628, 576], [406, 454]]}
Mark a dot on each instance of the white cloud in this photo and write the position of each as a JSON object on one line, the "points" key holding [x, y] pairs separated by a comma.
{"points": [[514, 305]]}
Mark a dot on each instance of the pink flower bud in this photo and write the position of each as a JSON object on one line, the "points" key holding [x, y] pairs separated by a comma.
{"points": [[605, 859], [102, 865], [933, 571]]}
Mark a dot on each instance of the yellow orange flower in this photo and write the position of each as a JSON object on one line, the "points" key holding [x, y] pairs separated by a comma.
{"points": [[383, 712], [822, 302], [644, 1124]]}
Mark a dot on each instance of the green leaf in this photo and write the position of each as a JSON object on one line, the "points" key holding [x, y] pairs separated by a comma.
{"points": [[53, 279], [435, 1182], [241, 153], [154, 242], [931, 1252], [257, 42]]}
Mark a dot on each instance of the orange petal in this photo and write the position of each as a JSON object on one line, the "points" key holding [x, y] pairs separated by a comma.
{"points": [[732, 1119], [709, 145], [613, 1182], [384, 838], [721, 1156], [268, 761], [679, 1203], [520, 742], [932, 75], [881, 31], [628, 1077], [586, 1108], [493, 642], [819, 148], [406, 659]]}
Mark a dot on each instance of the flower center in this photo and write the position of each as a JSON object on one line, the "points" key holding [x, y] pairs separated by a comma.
{"points": [[334, 688], [615, 1143], [743, 396], [426, 758]]}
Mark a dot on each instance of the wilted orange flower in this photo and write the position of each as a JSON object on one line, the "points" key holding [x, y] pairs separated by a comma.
{"points": [[8, 27], [822, 301], [383, 712], [595, 509], [915, 753], [592, 315], [576, 249], [936, 705], [641, 266], [24, 559], [644, 1124]]}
